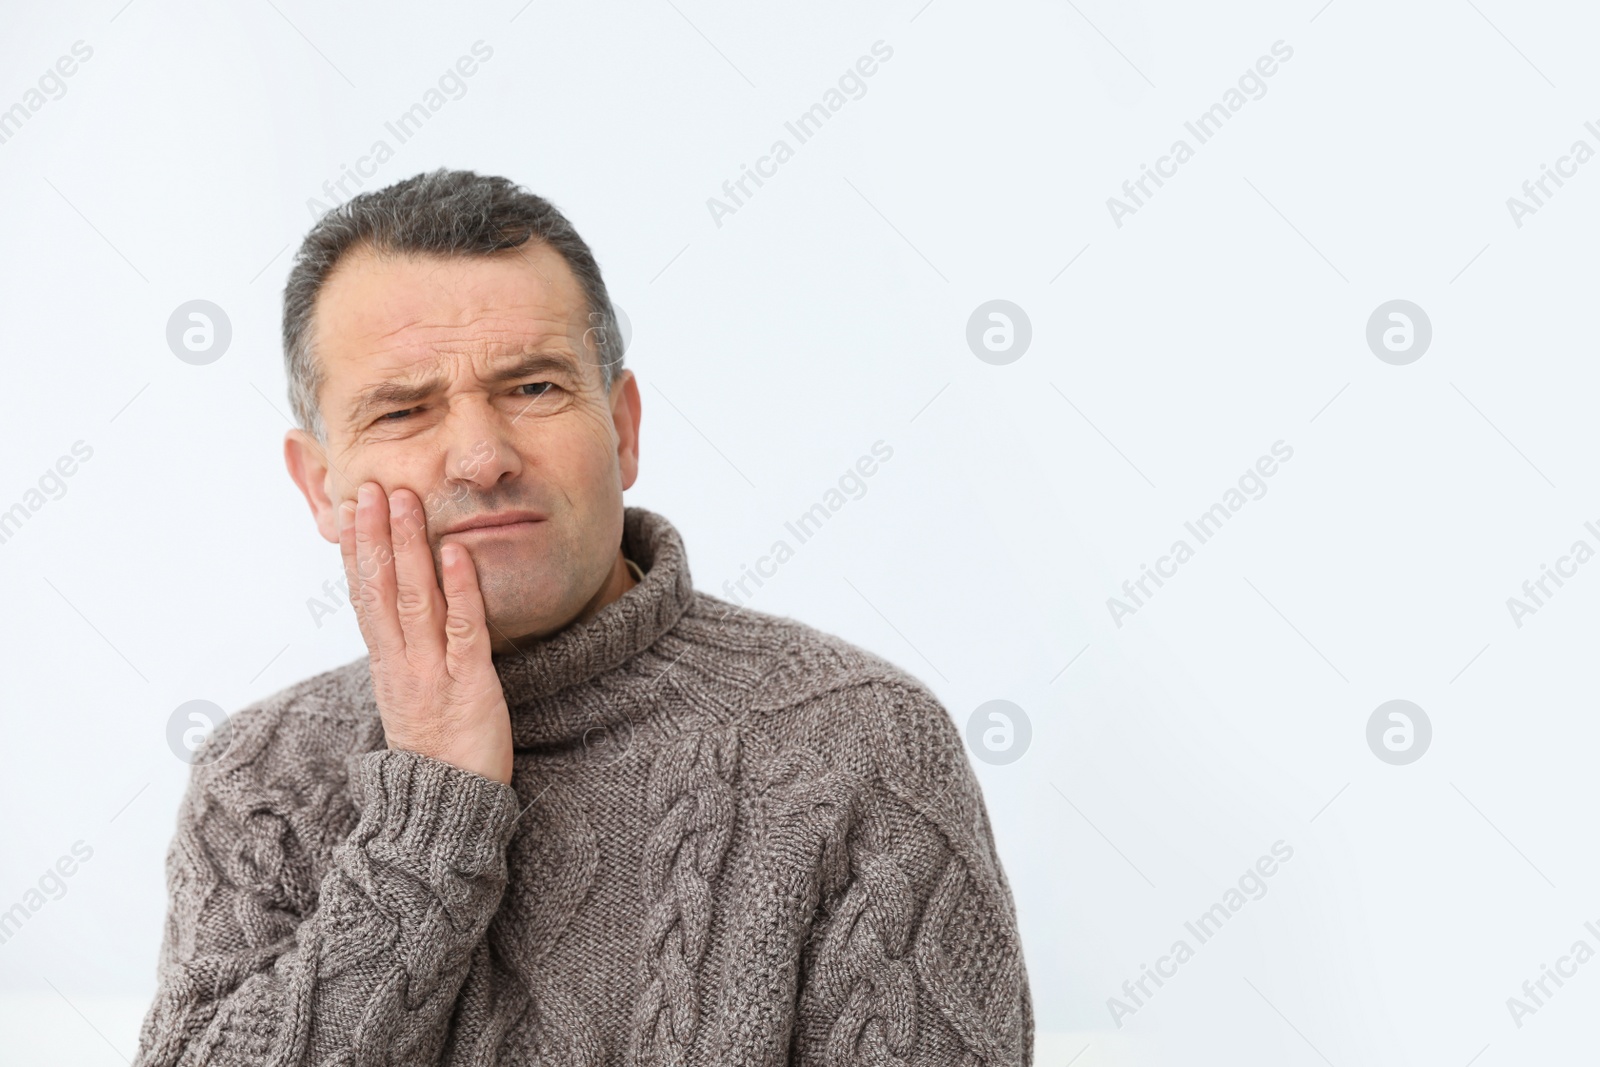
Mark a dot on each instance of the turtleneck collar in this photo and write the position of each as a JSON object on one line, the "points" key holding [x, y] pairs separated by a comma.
{"points": [[535, 678]]}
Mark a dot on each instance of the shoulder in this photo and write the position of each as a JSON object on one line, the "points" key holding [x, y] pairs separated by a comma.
{"points": [[864, 762], [282, 747], [860, 713], [269, 798], [790, 653]]}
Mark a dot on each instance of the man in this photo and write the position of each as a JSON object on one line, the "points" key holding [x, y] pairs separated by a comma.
{"points": [[567, 809]]}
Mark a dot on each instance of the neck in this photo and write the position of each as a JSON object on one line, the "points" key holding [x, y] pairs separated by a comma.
{"points": [[553, 687], [618, 581]]}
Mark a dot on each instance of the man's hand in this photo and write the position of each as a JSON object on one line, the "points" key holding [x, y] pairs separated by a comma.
{"points": [[436, 687]]}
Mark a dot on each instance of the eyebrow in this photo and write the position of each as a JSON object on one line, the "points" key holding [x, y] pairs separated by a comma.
{"points": [[405, 392]]}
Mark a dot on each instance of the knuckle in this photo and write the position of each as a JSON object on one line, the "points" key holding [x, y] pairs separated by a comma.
{"points": [[371, 594], [411, 602], [460, 626], [407, 524]]}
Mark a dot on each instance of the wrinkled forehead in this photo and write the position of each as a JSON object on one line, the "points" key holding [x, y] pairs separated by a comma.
{"points": [[383, 313]]}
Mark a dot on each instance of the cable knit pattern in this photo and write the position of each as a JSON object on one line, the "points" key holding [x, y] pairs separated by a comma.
{"points": [[799, 814], [690, 804], [866, 967], [729, 838]]}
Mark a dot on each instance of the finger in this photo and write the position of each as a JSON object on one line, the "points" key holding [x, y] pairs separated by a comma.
{"points": [[418, 599], [347, 551], [375, 569], [467, 644]]}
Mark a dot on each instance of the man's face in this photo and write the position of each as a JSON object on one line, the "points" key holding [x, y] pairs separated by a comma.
{"points": [[471, 381]]}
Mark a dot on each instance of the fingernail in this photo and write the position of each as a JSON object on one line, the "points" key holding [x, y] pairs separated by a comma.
{"points": [[347, 514], [367, 495]]}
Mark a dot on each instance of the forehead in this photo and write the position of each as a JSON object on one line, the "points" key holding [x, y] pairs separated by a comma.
{"points": [[379, 312]]}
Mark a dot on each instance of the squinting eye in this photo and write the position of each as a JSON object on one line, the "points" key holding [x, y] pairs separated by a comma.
{"points": [[394, 416], [525, 385]]}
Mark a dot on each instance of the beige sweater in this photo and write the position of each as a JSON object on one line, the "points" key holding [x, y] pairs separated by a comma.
{"points": [[729, 839]]}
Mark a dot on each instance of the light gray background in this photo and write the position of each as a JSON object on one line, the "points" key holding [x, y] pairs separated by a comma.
{"points": [[829, 312]]}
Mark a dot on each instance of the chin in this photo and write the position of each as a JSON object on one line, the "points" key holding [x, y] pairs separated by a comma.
{"points": [[526, 608]]}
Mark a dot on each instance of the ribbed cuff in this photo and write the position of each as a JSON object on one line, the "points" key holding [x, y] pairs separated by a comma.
{"points": [[433, 811]]}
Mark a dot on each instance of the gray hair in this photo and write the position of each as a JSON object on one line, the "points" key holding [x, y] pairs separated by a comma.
{"points": [[439, 213]]}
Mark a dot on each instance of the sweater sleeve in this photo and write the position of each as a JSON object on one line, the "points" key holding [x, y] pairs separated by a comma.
{"points": [[916, 959], [370, 970]]}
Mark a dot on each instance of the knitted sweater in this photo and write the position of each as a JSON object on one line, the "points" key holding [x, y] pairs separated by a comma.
{"points": [[729, 839]]}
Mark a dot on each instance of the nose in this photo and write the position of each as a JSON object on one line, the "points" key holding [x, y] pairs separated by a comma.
{"points": [[480, 451]]}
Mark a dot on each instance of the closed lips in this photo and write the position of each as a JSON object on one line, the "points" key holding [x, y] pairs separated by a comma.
{"points": [[490, 522]]}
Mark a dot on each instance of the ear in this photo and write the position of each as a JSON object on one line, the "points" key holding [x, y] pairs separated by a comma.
{"points": [[625, 416], [308, 466]]}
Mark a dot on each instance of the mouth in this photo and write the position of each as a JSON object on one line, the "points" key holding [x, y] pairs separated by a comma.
{"points": [[510, 522]]}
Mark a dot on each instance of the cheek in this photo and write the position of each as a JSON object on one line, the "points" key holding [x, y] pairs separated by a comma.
{"points": [[602, 437], [393, 467], [585, 446]]}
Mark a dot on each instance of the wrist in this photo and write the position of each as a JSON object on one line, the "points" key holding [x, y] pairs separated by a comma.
{"points": [[490, 763]]}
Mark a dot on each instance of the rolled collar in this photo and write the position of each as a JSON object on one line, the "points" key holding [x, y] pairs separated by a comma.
{"points": [[540, 682]]}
